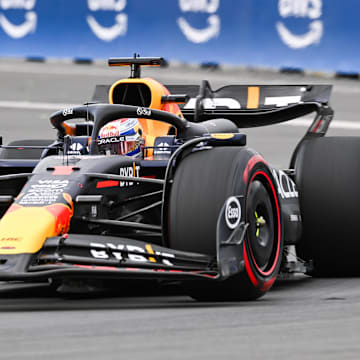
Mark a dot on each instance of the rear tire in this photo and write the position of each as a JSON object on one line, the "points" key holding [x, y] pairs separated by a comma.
{"points": [[328, 175], [203, 182], [26, 153]]}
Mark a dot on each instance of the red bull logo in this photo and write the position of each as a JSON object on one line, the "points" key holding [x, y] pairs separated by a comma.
{"points": [[109, 130]]}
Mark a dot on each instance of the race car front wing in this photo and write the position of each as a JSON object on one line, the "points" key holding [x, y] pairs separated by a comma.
{"points": [[101, 256]]}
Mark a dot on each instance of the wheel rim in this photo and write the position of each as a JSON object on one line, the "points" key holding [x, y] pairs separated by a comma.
{"points": [[263, 216]]}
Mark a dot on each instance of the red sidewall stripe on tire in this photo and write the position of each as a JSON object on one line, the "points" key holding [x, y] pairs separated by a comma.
{"points": [[249, 270], [251, 163]]}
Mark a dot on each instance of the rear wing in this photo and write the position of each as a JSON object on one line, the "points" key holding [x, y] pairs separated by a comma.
{"points": [[252, 105], [251, 97], [245, 105]]}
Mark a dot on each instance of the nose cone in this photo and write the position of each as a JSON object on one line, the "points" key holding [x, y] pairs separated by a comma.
{"points": [[24, 229]]}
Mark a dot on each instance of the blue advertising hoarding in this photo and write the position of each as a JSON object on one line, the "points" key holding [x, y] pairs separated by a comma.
{"points": [[311, 34]]}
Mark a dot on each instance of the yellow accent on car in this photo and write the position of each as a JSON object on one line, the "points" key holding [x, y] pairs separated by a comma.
{"points": [[222, 136], [253, 97], [150, 250], [257, 225], [25, 230]]}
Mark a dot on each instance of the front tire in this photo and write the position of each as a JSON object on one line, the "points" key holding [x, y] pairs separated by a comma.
{"points": [[203, 182]]}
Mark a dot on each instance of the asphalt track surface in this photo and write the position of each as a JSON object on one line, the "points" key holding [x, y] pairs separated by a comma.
{"points": [[302, 318]]}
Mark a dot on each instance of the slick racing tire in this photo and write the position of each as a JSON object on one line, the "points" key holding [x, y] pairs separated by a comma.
{"points": [[25, 153], [203, 182], [327, 176]]}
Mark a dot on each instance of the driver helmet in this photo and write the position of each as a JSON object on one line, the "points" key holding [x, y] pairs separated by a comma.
{"points": [[121, 137]]}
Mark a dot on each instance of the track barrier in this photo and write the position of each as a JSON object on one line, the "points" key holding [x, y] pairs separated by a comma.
{"points": [[290, 34]]}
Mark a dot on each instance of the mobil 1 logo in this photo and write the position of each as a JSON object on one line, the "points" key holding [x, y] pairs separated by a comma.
{"points": [[232, 212]]}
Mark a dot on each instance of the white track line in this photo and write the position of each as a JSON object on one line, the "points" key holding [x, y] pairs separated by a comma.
{"points": [[30, 105], [335, 124], [345, 125]]}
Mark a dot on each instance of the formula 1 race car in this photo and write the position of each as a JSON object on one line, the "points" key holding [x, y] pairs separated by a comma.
{"points": [[195, 205]]}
